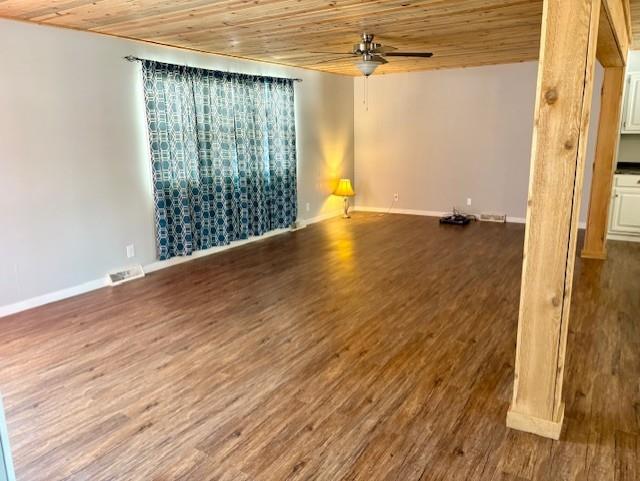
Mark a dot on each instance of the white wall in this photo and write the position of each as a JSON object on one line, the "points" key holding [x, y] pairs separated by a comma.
{"points": [[440, 137], [75, 174], [74, 169]]}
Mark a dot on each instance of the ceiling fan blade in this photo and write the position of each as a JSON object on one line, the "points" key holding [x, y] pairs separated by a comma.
{"points": [[384, 49], [380, 59], [409, 54], [333, 53]]}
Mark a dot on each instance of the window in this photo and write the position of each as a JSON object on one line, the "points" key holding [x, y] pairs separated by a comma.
{"points": [[223, 152]]}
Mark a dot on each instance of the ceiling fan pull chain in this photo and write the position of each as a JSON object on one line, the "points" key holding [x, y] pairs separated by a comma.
{"points": [[364, 92], [365, 101], [367, 80]]}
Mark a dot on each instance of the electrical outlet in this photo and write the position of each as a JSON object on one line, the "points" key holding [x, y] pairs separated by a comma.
{"points": [[468, 200], [396, 197], [308, 207], [131, 251]]}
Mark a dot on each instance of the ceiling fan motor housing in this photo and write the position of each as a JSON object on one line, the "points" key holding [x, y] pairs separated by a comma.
{"points": [[367, 45]]}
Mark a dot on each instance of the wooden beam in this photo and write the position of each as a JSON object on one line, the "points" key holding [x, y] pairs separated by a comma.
{"points": [[614, 33], [562, 111], [595, 242], [617, 15], [608, 52]]}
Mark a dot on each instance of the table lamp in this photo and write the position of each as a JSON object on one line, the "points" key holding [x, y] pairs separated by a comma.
{"points": [[345, 190]]}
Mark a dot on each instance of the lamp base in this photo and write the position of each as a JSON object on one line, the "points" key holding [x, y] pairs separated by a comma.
{"points": [[346, 209]]}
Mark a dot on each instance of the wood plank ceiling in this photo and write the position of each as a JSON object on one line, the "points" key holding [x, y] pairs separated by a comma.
{"points": [[459, 32]]}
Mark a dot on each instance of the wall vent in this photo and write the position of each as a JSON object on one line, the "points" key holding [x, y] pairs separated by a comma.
{"points": [[493, 218], [125, 275]]}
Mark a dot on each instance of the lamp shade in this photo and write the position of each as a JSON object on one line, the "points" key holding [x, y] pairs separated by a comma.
{"points": [[344, 189], [367, 67]]}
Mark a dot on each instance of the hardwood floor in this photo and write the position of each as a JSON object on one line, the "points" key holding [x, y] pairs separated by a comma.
{"points": [[379, 348]]}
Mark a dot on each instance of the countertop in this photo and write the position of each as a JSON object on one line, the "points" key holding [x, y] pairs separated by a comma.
{"points": [[628, 168]]}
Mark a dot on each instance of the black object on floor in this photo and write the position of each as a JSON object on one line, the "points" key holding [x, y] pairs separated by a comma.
{"points": [[455, 219]]}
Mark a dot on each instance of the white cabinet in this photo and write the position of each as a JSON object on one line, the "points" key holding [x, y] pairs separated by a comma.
{"points": [[625, 216], [625, 208], [631, 112]]}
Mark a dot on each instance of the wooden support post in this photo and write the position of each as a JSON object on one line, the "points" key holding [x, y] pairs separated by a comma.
{"points": [[563, 103], [595, 242]]}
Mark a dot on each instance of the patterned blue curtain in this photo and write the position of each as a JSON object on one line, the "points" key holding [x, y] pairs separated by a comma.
{"points": [[223, 151]]}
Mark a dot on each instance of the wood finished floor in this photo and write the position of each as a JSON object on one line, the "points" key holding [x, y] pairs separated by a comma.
{"points": [[380, 348]]}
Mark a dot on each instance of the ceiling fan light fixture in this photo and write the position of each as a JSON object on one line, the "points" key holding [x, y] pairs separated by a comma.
{"points": [[367, 67], [372, 54]]}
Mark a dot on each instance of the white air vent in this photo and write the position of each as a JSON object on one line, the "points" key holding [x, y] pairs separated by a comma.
{"points": [[128, 274], [493, 218]]}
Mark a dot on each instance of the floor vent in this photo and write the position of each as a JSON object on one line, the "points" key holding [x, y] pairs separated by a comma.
{"points": [[125, 275], [493, 218]]}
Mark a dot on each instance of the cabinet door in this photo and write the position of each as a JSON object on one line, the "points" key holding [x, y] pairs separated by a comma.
{"points": [[625, 215], [632, 106]]}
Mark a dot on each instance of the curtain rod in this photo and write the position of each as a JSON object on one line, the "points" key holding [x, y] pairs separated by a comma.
{"points": [[132, 58]]}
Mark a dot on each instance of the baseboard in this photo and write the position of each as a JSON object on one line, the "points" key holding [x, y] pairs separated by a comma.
{"points": [[435, 213], [534, 425], [598, 255], [152, 267], [52, 297], [158, 265], [522, 220], [321, 217], [427, 213]]}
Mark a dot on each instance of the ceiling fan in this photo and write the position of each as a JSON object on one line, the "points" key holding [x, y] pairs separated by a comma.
{"points": [[373, 54]]}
